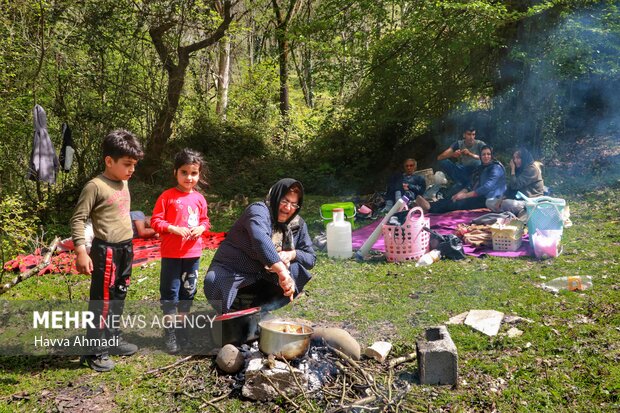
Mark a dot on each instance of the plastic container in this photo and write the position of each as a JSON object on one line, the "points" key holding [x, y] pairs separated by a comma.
{"points": [[409, 241], [339, 240], [370, 241], [349, 212], [544, 213], [574, 283], [546, 243], [428, 258]]}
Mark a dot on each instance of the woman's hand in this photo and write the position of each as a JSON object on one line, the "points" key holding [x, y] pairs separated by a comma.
{"points": [[285, 280], [287, 257], [512, 167]]}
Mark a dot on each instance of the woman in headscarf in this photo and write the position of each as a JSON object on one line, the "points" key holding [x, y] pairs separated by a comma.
{"points": [[489, 181], [525, 177], [265, 258]]}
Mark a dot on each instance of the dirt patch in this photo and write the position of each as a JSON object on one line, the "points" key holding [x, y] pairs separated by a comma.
{"points": [[79, 397]]}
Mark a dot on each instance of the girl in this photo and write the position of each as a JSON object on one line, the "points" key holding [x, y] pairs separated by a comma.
{"points": [[525, 177], [180, 217]]}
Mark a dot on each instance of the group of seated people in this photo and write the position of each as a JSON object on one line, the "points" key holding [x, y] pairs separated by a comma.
{"points": [[480, 180]]}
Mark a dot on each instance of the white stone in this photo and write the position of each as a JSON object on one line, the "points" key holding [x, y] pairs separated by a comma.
{"points": [[260, 380], [485, 321], [458, 319], [514, 332], [379, 350]]}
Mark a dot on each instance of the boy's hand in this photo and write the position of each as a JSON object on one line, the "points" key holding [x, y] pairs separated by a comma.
{"points": [[83, 263]]}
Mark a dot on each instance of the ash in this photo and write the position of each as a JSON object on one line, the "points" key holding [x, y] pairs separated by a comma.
{"points": [[318, 366]]}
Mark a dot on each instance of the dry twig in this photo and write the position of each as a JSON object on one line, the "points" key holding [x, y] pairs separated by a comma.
{"points": [[353, 364], [303, 391], [403, 359], [169, 366], [280, 392]]}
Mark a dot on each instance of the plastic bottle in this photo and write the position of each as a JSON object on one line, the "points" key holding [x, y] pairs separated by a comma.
{"points": [[428, 258], [574, 283], [339, 240], [365, 249]]}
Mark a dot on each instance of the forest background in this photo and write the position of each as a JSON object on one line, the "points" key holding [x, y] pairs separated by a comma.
{"points": [[334, 93]]}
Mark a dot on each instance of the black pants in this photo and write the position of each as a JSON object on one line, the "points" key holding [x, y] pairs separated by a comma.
{"points": [[108, 288]]}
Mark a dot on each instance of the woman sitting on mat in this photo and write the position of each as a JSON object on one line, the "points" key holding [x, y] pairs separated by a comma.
{"points": [[525, 177], [489, 181]]}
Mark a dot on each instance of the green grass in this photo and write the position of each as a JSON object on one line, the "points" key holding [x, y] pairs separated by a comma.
{"points": [[566, 360]]}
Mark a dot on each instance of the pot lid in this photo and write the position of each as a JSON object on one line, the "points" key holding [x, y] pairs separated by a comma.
{"points": [[237, 314]]}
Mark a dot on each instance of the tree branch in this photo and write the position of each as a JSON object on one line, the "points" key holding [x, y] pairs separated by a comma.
{"points": [[157, 34], [33, 271], [216, 35]]}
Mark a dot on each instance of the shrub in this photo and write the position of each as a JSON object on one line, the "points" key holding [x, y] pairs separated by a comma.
{"points": [[18, 227]]}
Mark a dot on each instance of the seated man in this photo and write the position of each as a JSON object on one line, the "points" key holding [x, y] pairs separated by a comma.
{"points": [[462, 158], [405, 183]]}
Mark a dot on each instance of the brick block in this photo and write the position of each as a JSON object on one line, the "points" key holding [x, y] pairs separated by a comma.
{"points": [[437, 357]]}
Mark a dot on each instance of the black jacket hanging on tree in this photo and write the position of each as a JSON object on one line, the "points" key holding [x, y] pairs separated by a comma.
{"points": [[67, 151]]}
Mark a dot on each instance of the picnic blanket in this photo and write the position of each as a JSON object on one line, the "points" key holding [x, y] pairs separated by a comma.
{"points": [[144, 251], [445, 223]]}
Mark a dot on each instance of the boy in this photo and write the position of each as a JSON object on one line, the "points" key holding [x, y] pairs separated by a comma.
{"points": [[105, 200], [462, 158]]}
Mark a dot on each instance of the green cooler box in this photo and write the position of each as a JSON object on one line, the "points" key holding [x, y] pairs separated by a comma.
{"points": [[349, 212]]}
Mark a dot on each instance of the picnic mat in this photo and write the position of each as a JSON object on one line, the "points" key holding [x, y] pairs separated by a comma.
{"points": [[445, 223], [144, 251]]}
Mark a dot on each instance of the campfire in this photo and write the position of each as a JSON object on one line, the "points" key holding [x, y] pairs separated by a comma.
{"points": [[285, 363]]}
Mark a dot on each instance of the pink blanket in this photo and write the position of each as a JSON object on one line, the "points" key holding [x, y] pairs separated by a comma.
{"points": [[445, 224]]}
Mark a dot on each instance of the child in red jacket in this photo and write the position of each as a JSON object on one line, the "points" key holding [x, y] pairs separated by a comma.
{"points": [[180, 217]]}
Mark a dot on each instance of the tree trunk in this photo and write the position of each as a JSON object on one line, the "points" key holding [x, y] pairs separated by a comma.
{"points": [[162, 129], [283, 50], [223, 78], [282, 25], [163, 124]]}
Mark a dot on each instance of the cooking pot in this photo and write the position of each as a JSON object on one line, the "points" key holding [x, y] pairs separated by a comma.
{"points": [[286, 339], [237, 327]]}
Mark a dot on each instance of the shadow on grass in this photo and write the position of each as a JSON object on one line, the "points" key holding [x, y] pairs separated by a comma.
{"points": [[34, 364]]}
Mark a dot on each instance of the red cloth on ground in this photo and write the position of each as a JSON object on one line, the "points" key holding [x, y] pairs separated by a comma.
{"points": [[144, 251]]}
